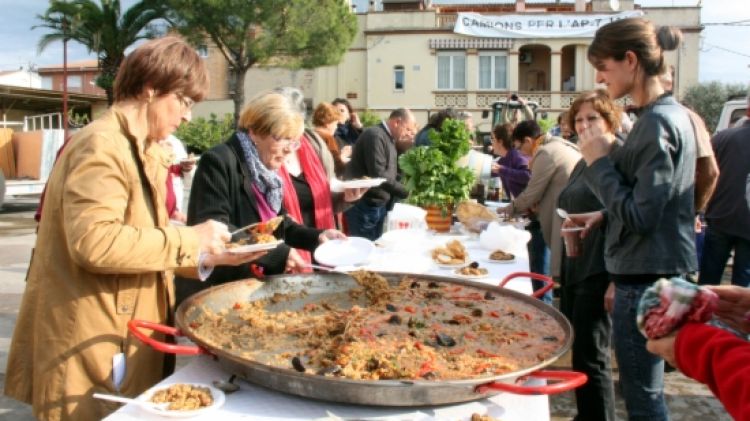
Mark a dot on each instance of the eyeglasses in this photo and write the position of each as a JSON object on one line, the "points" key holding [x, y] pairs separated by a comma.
{"points": [[590, 119], [292, 144], [186, 103]]}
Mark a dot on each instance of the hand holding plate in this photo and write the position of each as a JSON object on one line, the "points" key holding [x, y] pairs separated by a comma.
{"points": [[212, 235], [331, 234]]}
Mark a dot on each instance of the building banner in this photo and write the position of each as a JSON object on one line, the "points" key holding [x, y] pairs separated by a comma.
{"points": [[536, 25]]}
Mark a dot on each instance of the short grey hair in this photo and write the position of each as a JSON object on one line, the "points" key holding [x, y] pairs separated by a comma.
{"points": [[295, 96]]}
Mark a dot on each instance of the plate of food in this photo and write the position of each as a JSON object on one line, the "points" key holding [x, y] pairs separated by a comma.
{"points": [[255, 237], [346, 252], [462, 263], [245, 246], [182, 400], [471, 271], [499, 256], [358, 183], [452, 255]]}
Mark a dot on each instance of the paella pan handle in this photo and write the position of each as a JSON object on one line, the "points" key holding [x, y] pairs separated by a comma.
{"points": [[134, 326], [568, 380], [538, 293]]}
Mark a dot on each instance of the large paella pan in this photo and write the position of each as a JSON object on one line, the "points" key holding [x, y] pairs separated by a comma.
{"points": [[384, 339]]}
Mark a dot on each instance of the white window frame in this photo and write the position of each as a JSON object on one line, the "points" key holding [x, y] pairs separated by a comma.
{"points": [[202, 50], [396, 70], [75, 82], [451, 70], [493, 83], [47, 82]]}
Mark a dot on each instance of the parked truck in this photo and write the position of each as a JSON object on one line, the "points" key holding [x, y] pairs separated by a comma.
{"points": [[48, 127], [498, 109], [733, 110]]}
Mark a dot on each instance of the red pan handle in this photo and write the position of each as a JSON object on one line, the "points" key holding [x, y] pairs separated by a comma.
{"points": [[538, 293], [568, 380], [167, 348]]}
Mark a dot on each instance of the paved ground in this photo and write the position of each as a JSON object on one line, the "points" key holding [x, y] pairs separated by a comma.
{"points": [[687, 400], [17, 235]]}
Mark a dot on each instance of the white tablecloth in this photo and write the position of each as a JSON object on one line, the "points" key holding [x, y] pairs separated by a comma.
{"points": [[253, 402], [414, 256], [257, 403]]}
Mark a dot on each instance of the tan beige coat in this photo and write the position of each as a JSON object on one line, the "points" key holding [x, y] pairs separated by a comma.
{"points": [[101, 259], [550, 171]]}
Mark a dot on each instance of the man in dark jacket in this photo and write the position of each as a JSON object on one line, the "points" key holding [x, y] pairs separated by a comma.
{"points": [[375, 156], [728, 211]]}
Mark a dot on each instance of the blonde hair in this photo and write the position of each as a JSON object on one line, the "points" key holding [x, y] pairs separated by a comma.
{"points": [[168, 65], [272, 114]]}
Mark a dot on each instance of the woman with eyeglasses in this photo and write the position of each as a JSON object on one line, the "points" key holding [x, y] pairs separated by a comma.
{"points": [[105, 251], [584, 278], [238, 184]]}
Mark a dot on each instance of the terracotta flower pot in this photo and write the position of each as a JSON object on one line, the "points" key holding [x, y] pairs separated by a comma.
{"points": [[439, 219]]}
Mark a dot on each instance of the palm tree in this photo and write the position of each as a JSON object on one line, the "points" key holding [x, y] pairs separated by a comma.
{"points": [[102, 28]]}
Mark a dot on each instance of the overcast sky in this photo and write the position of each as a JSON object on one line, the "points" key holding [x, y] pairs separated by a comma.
{"points": [[725, 51]]}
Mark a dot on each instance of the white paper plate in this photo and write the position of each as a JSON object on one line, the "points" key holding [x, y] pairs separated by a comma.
{"points": [[453, 265], [456, 274], [498, 262], [351, 251], [572, 229], [339, 186], [255, 247], [217, 394], [493, 204]]}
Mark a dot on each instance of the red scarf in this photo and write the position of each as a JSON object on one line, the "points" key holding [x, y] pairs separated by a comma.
{"points": [[317, 179]]}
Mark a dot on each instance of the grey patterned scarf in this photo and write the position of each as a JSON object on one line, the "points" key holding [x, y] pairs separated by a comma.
{"points": [[265, 180]]}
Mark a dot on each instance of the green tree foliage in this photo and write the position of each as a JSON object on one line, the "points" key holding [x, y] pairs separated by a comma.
{"points": [[369, 118], [102, 28], [290, 33], [431, 173], [201, 134], [546, 124], [707, 99]]}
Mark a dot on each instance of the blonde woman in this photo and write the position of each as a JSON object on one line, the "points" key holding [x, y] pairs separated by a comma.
{"points": [[238, 183]]}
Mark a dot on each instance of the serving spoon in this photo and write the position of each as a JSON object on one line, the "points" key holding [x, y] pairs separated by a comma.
{"points": [[327, 269], [121, 399], [562, 213], [227, 386]]}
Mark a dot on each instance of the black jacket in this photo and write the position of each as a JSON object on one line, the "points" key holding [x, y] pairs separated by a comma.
{"points": [[222, 191], [374, 156], [646, 187]]}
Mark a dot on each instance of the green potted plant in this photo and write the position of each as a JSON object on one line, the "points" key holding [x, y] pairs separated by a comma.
{"points": [[432, 176]]}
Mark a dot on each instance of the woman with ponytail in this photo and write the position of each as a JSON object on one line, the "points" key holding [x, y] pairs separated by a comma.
{"points": [[646, 187]]}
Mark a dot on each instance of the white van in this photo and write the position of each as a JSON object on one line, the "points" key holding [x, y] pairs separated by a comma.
{"points": [[732, 111]]}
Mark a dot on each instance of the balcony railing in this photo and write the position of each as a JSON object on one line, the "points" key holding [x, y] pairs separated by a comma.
{"points": [[445, 20]]}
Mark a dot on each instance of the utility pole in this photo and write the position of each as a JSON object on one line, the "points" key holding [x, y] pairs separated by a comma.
{"points": [[65, 81]]}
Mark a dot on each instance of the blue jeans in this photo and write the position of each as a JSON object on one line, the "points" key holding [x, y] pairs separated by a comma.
{"points": [[539, 258], [641, 372], [716, 248], [365, 221]]}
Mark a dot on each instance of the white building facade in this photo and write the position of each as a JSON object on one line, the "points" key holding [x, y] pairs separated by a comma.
{"points": [[413, 55]]}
